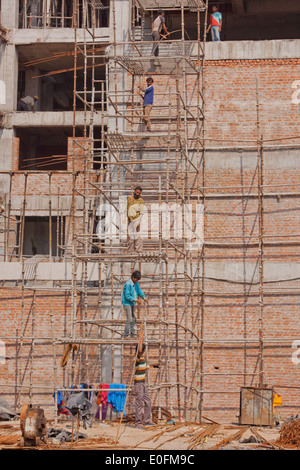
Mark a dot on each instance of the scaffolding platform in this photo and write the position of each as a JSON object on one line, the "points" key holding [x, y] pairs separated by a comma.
{"points": [[151, 5], [153, 140], [151, 256], [166, 65]]}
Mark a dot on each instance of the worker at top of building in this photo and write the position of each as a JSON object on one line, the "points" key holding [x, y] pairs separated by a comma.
{"points": [[148, 99], [158, 24], [215, 24], [26, 103], [135, 210], [131, 295]]}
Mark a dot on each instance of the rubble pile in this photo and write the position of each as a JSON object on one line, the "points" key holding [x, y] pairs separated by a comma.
{"points": [[290, 433]]}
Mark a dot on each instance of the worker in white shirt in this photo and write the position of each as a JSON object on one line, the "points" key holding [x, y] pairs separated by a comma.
{"points": [[158, 24], [26, 103]]}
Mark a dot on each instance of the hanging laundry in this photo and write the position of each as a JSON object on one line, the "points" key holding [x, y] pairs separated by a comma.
{"points": [[86, 393], [117, 399], [61, 409], [102, 394], [78, 404], [102, 400], [59, 397]]}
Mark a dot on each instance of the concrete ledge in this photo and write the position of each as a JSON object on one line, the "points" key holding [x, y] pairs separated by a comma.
{"points": [[48, 118], [46, 271], [224, 50], [39, 205], [253, 50], [55, 35], [229, 271], [241, 160]]}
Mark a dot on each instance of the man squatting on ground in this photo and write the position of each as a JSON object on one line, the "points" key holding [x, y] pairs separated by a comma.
{"points": [[148, 102], [135, 209], [132, 294]]}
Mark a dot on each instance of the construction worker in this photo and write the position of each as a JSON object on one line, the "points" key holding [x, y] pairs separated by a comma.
{"points": [[148, 99], [215, 24], [142, 398], [131, 295], [135, 210], [158, 24], [26, 103]]}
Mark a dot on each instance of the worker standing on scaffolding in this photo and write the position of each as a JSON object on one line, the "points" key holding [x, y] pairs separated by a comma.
{"points": [[158, 24], [148, 102], [215, 24], [132, 294], [142, 398], [135, 210]]}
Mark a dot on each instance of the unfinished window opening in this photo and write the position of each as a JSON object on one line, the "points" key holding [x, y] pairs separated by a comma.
{"points": [[47, 71], [43, 148], [94, 96], [98, 14], [40, 238], [61, 14]]}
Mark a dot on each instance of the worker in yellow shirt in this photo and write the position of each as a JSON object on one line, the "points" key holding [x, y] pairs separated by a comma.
{"points": [[135, 210]]}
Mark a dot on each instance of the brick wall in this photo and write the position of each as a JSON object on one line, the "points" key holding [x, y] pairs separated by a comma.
{"points": [[231, 98]]}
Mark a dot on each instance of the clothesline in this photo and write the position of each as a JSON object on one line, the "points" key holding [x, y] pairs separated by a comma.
{"points": [[113, 395], [91, 389]]}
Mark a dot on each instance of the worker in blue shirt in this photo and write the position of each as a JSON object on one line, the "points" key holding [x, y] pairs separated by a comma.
{"points": [[130, 296], [148, 99]]}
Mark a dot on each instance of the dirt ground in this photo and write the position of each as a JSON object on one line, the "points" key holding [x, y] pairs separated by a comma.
{"points": [[180, 436]]}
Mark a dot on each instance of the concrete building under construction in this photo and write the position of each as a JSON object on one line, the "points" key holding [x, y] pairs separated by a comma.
{"points": [[220, 173]]}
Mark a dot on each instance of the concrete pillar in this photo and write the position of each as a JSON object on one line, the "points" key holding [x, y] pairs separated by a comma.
{"points": [[10, 14], [9, 78], [119, 34], [9, 83], [9, 75]]}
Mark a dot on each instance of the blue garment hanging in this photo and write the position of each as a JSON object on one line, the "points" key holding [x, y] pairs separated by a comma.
{"points": [[117, 399], [59, 397]]}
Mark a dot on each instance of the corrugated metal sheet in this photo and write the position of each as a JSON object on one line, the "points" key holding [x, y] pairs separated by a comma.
{"points": [[256, 406]]}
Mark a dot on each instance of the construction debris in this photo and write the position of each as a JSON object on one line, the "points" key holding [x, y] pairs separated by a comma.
{"points": [[234, 437], [203, 435], [6, 413], [61, 435], [290, 433], [9, 434]]}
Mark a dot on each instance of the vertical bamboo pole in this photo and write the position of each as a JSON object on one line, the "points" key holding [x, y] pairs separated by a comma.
{"points": [[33, 312], [202, 323], [50, 218], [178, 144], [54, 361], [8, 217], [260, 239]]}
